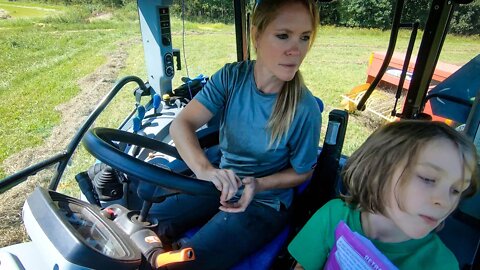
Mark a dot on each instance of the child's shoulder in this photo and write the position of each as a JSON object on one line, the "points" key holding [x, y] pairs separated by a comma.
{"points": [[439, 255], [426, 253], [337, 204], [336, 210]]}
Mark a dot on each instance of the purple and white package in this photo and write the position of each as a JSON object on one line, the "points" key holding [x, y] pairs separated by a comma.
{"points": [[352, 251]]}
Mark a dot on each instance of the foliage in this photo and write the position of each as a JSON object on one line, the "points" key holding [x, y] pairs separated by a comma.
{"points": [[416, 10], [129, 12], [351, 13], [107, 3], [76, 14], [329, 13], [379, 14], [205, 11], [366, 13], [466, 19]]}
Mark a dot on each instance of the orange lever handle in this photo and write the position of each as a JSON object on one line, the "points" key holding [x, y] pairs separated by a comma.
{"points": [[182, 255]]}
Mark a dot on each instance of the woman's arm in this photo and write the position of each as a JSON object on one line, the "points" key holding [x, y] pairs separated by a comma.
{"points": [[284, 179], [182, 130]]}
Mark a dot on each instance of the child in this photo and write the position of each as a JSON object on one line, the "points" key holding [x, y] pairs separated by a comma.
{"points": [[401, 184]]}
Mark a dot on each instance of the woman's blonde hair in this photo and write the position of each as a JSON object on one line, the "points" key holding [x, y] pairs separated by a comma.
{"points": [[284, 112], [368, 173]]}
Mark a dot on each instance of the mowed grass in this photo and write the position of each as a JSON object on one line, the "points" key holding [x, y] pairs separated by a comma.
{"points": [[29, 9], [44, 59], [41, 60], [339, 59]]}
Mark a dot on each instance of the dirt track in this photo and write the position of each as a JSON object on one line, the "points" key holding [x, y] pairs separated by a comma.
{"points": [[92, 88]]}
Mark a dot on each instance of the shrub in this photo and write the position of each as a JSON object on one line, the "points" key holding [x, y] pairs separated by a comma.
{"points": [[329, 13], [465, 19], [205, 10], [366, 13]]}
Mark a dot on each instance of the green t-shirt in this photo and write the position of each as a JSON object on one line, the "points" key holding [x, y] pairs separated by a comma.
{"points": [[312, 245]]}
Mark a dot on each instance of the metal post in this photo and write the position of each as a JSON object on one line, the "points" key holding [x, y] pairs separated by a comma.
{"points": [[428, 54], [240, 29], [154, 18]]}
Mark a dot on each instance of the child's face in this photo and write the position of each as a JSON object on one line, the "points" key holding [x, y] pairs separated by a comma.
{"points": [[431, 193]]}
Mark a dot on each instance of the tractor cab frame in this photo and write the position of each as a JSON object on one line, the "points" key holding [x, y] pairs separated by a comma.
{"points": [[69, 233]]}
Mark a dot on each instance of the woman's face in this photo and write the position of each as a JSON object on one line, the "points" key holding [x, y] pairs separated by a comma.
{"points": [[284, 43]]}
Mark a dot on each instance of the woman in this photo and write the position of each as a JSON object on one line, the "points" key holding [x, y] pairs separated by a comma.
{"points": [[269, 133]]}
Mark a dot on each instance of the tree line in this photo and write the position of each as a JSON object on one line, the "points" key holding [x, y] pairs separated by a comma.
{"points": [[350, 13], [379, 14]]}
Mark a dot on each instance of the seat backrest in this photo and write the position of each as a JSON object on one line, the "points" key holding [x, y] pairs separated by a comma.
{"points": [[461, 234], [324, 183]]}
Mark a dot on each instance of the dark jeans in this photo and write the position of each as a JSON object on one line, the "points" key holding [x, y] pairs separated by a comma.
{"points": [[226, 238]]}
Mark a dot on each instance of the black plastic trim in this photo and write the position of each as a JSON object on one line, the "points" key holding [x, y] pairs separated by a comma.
{"points": [[99, 142]]}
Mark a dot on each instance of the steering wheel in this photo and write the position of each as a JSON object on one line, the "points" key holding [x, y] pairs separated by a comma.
{"points": [[100, 143]]}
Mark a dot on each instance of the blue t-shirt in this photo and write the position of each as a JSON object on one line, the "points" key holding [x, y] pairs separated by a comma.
{"points": [[244, 136]]}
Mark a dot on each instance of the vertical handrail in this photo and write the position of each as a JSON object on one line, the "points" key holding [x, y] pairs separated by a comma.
{"points": [[240, 29], [388, 56], [406, 64], [90, 120], [428, 54]]}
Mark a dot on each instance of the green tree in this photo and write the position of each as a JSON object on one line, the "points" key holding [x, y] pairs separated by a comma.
{"points": [[366, 13], [465, 19]]}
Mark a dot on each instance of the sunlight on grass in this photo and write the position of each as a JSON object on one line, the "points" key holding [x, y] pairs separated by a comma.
{"points": [[40, 67], [48, 59], [25, 9], [45, 50]]}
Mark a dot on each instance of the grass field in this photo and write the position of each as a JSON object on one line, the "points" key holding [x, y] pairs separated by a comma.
{"points": [[44, 57], [29, 10], [45, 51]]}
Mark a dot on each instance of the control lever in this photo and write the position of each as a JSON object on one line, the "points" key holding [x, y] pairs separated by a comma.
{"points": [[151, 247], [176, 53], [176, 256]]}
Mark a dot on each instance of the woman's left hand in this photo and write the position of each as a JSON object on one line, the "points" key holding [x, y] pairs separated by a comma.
{"points": [[247, 196]]}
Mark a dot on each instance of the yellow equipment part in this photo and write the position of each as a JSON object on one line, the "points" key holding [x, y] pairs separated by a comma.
{"points": [[351, 99], [380, 103]]}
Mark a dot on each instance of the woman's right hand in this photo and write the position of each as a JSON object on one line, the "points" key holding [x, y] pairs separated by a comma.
{"points": [[225, 181]]}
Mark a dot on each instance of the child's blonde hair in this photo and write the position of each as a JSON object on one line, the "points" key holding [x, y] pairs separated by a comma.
{"points": [[367, 175]]}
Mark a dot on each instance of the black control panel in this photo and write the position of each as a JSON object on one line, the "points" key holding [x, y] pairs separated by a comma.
{"points": [[166, 39], [165, 26]]}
